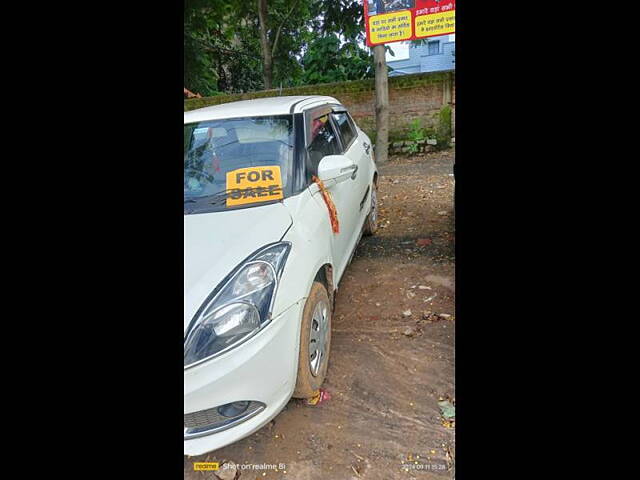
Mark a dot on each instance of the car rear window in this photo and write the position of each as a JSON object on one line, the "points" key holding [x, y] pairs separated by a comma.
{"points": [[347, 132]]}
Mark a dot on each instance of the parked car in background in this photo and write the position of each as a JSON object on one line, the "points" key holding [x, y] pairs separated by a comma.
{"points": [[262, 255]]}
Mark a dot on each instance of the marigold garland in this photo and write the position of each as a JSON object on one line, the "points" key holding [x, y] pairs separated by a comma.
{"points": [[333, 213]]}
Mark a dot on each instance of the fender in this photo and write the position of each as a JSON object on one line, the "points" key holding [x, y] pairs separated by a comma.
{"points": [[310, 237]]}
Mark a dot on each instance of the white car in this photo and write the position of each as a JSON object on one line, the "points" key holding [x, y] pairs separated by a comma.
{"points": [[264, 255]]}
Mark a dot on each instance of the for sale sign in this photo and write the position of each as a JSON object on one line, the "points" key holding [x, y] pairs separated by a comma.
{"points": [[390, 21], [254, 184]]}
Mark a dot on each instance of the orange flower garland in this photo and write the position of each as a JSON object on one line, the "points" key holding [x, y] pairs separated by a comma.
{"points": [[333, 213]]}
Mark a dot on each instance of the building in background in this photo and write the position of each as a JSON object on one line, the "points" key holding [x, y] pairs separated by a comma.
{"points": [[437, 54]]}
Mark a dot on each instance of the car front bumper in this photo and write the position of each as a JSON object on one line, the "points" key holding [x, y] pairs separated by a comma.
{"points": [[263, 369]]}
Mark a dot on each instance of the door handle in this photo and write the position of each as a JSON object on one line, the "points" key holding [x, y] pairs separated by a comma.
{"points": [[354, 168], [366, 146]]}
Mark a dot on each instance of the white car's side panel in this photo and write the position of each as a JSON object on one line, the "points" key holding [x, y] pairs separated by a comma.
{"points": [[345, 197], [358, 187], [310, 237]]}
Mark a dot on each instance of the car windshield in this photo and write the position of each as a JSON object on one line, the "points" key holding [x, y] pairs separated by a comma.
{"points": [[237, 163]]}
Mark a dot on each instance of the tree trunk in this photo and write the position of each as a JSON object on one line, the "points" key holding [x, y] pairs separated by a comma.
{"points": [[267, 57], [382, 105]]}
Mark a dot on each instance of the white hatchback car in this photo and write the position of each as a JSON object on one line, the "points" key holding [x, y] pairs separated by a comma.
{"points": [[264, 254]]}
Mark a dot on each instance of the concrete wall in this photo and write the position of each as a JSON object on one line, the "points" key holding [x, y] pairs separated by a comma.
{"points": [[410, 96]]}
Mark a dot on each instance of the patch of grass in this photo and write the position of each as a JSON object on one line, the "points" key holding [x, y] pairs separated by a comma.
{"points": [[416, 134]]}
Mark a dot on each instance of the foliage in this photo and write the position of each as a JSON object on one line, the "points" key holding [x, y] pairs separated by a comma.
{"points": [[199, 70], [416, 134], [326, 61], [345, 17], [215, 59], [287, 33], [223, 53]]}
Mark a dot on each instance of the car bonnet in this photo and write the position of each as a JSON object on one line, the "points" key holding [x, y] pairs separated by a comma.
{"points": [[215, 243]]}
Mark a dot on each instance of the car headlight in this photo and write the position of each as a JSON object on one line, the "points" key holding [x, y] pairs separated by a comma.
{"points": [[239, 307]]}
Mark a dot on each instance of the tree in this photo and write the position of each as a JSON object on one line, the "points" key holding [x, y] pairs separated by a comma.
{"points": [[382, 104], [199, 70], [347, 18], [344, 17], [269, 38], [327, 61], [238, 45]]}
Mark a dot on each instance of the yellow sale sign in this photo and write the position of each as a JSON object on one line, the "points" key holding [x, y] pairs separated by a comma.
{"points": [[254, 184]]}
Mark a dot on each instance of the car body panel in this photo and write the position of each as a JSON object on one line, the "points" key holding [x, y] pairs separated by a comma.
{"points": [[256, 107], [261, 369], [310, 246], [215, 243]]}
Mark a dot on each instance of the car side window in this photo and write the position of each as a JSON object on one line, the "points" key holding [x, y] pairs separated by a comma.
{"points": [[345, 127], [323, 142]]}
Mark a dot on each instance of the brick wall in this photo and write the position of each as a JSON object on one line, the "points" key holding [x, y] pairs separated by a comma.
{"points": [[410, 96]]}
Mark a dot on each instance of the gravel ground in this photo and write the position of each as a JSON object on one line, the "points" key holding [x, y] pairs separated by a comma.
{"points": [[392, 353]]}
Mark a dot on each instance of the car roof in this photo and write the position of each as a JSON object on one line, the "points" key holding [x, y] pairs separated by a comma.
{"points": [[258, 107]]}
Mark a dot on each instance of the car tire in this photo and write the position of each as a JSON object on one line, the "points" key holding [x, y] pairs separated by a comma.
{"points": [[315, 331], [371, 222]]}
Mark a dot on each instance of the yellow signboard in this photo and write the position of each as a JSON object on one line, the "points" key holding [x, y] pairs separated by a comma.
{"points": [[388, 21], [437, 24], [254, 184], [390, 27]]}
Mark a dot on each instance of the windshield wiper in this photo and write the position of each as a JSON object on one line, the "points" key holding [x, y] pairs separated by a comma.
{"points": [[201, 198], [220, 196], [215, 197]]}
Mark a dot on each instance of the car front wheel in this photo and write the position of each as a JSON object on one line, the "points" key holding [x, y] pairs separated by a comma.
{"points": [[315, 342]]}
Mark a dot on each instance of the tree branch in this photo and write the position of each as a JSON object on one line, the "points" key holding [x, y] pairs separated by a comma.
{"points": [[209, 48], [275, 40]]}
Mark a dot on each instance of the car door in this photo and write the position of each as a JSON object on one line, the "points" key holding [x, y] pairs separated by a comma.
{"points": [[358, 150], [323, 140]]}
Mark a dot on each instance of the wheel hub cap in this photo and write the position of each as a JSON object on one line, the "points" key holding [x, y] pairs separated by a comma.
{"points": [[374, 206], [319, 337]]}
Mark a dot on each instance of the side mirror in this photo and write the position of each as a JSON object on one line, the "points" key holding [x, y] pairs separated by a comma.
{"points": [[336, 167]]}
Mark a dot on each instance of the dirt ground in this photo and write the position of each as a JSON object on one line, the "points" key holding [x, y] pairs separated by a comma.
{"points": [[392, 355]]}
